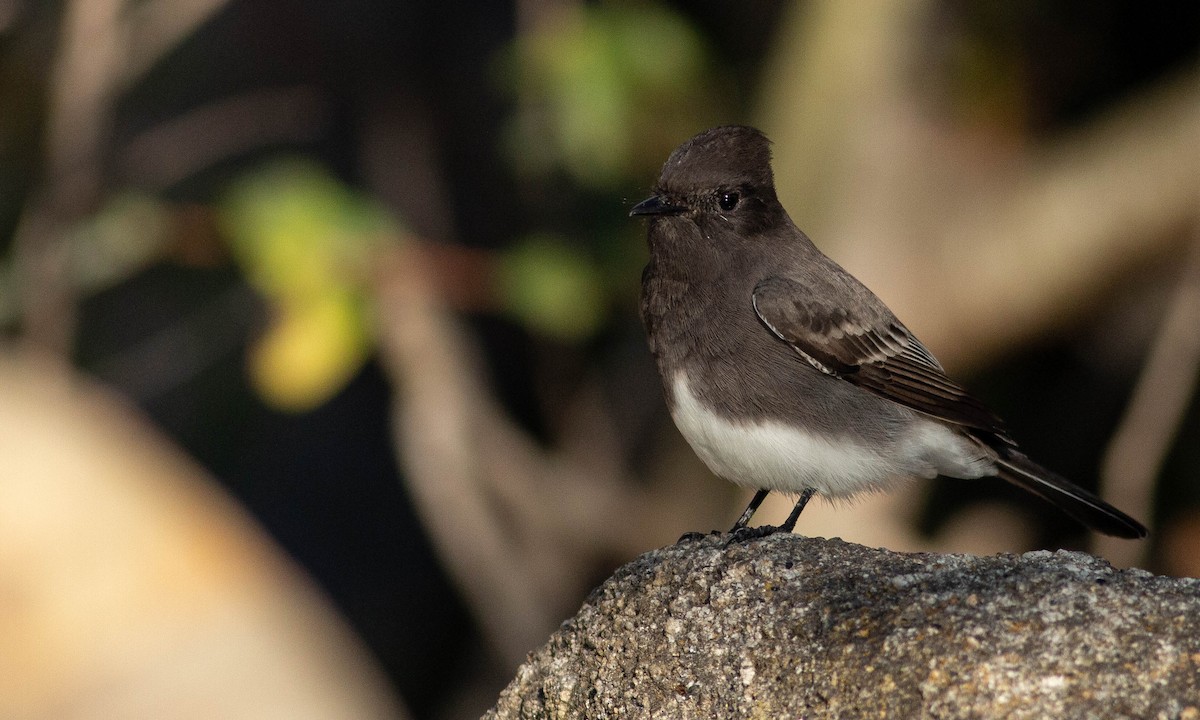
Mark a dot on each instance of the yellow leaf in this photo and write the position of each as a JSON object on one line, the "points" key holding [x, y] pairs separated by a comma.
{"points": [[310, 352]]}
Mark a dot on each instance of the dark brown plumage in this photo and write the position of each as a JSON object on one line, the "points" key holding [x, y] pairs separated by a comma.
{"points": [[783, 371]]}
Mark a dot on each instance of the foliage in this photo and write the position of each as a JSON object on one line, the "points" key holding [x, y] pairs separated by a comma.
{"points": [[597, 82], [552, 287], [306, 242]]}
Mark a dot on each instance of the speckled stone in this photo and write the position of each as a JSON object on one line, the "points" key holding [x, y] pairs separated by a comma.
{"points": [[794, 627]]}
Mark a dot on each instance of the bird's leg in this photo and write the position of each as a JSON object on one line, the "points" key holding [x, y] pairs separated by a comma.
{"points": [[750, 510], [739, 528], [790, 524], [740, 533], [743, 533]]}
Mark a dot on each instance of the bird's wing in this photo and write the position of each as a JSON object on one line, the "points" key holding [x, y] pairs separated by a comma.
{"points": [[870, 349]]}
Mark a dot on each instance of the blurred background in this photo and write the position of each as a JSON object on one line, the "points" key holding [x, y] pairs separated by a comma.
{"points": [[323, 391]]}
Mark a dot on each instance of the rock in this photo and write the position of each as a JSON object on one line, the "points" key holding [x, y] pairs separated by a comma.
{"points": [[132, 586], [794, 627]]}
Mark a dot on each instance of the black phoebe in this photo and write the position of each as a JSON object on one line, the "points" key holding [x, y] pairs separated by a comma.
{"points": [[785, 373]]}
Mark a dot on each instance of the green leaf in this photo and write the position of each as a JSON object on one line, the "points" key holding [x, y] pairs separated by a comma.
{"points": [[552, 288]]}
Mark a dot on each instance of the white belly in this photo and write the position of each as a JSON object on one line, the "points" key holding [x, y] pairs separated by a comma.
{"points": [[775, 456]]}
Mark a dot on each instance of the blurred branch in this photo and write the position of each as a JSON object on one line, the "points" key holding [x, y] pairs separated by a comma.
{"points": [[79, 118], [936, 218], [104, 46], [978, 245], [446, 421], [398, 156], [156, 27], [1158, 406], [175, 149], [1050, 238], [9, 11], [519, 528], [183, 350]]}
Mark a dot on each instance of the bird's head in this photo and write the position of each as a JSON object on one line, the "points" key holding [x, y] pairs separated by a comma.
{"points": [[723, 174]]}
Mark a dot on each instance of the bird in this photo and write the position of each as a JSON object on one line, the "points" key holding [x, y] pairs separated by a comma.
{"points": [[785, 373]]}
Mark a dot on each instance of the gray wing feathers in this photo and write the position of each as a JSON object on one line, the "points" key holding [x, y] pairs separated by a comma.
{"points": [[864, 344]]}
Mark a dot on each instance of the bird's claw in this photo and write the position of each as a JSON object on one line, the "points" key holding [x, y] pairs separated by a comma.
{"points": [[694, 536], [746, 534]]}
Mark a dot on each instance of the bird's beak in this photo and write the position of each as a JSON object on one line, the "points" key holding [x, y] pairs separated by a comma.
{"points": [[655, 205]]}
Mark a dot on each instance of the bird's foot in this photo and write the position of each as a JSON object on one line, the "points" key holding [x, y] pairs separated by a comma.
{"points": [[747, 534], [694, 536]]}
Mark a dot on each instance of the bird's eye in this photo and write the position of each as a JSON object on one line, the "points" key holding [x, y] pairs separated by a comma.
{"points": [[728, 200]]}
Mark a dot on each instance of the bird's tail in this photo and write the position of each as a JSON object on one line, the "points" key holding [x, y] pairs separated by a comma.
{"points": [[1067, 496]]}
